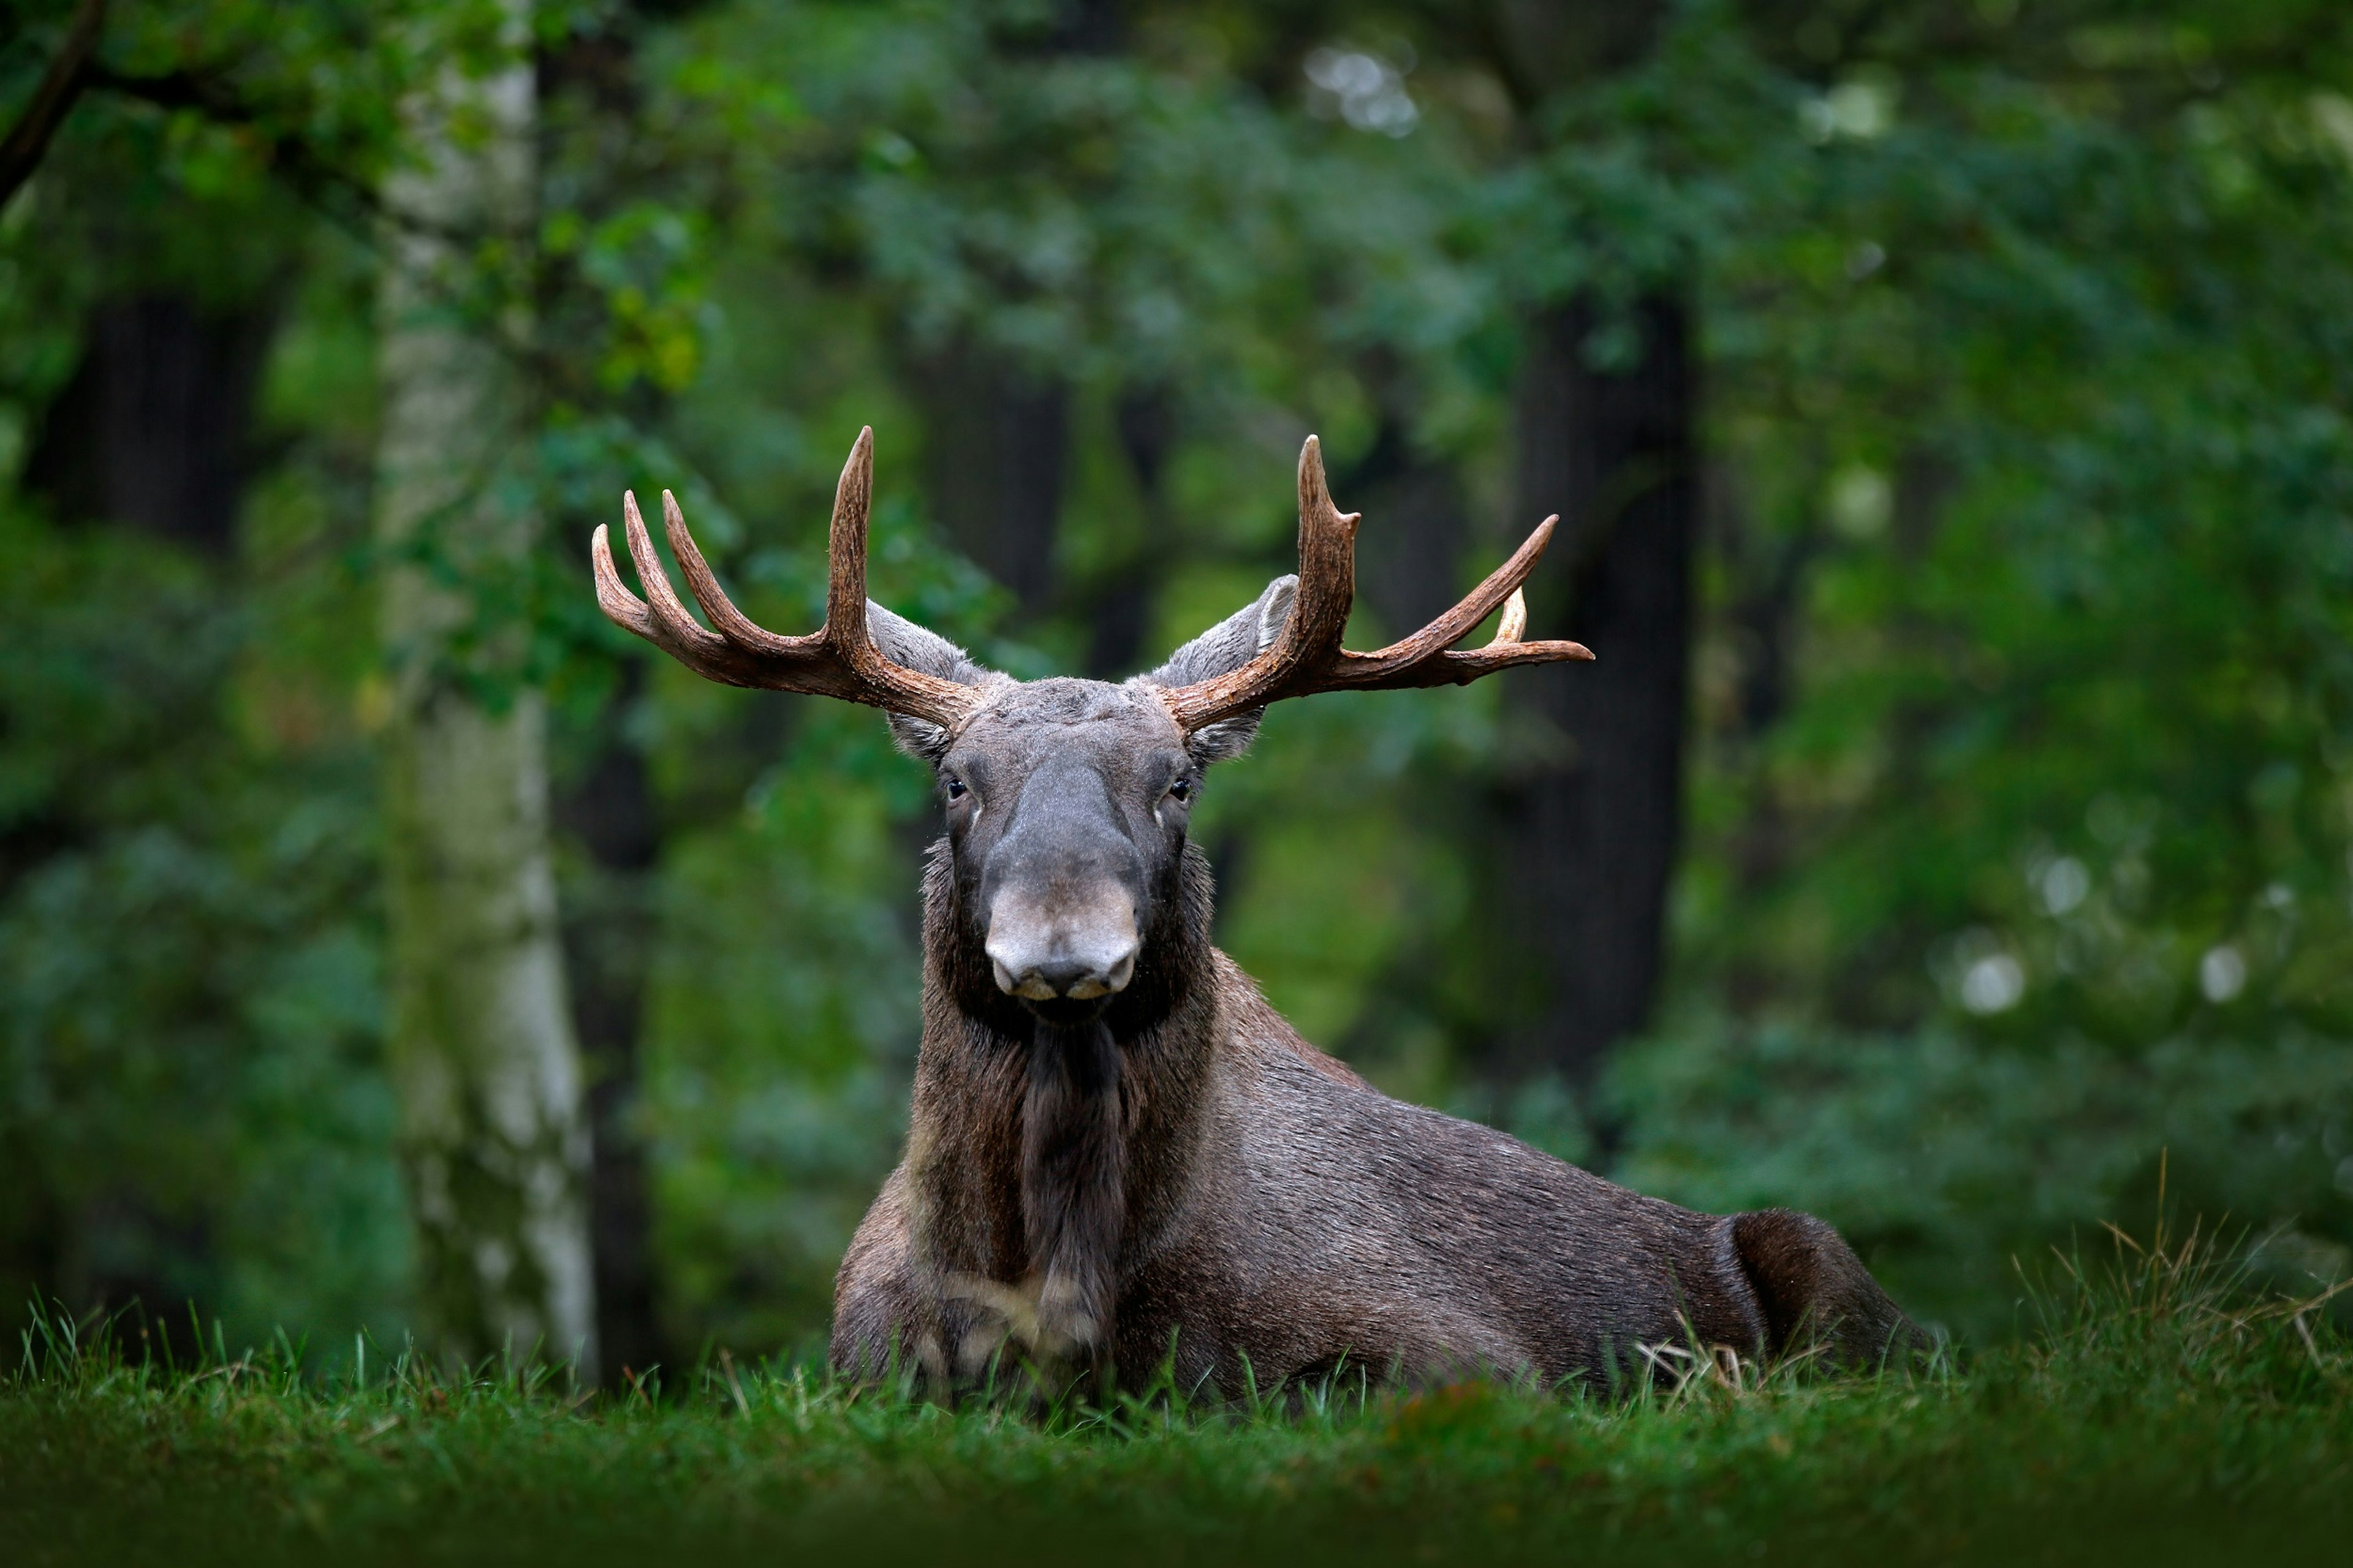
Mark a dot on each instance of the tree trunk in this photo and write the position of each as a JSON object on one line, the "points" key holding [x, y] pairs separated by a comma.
{"points": [[1589, 830], [1417, 520], [483, 1056], [606, 810], [995, 444], [1119, 604], [152, 432], [609, 936], [997, 433], [153, 429]]}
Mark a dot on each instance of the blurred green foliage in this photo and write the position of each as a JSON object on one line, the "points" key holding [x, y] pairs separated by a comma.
{"points": [[2022, 799]]}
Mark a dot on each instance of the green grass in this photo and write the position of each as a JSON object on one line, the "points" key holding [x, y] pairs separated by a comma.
{"points": [[2156, 1414]]}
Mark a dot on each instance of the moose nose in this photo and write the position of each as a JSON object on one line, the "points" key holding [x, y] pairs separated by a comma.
{"points": [[1078, 949], [1078, 979]]}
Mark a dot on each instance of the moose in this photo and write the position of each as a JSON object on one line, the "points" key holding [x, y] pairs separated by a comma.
{"points": [[1119, 1155]]}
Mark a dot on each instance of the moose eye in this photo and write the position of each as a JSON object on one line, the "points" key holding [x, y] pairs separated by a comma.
{"points": [[1182, 789], [955, 787]]}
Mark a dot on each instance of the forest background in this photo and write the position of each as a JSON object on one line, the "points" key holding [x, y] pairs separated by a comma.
{"points": [[1947, 404]]}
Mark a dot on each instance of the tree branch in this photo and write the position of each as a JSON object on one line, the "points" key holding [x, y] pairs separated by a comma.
{"points": [[327, 187], [28, 139]]}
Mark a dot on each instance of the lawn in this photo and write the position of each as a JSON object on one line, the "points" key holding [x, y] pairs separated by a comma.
{"points": [[2155, 1412]]}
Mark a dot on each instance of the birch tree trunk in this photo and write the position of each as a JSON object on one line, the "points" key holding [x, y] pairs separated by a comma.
{"points": [[487, 1068]]}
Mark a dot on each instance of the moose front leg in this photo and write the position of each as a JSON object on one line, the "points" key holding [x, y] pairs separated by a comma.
{"points": [[884, 1322]]}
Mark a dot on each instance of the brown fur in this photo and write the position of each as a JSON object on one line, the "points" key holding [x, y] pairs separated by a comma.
{"points": [[1260, 1213], [1165, 1170]]}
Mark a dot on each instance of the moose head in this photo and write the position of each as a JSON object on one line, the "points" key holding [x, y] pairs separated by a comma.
{"points": [[1068, 800]]}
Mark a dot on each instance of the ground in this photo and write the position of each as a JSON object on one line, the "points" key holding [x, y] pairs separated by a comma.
{"points": [[2153, 1414]]}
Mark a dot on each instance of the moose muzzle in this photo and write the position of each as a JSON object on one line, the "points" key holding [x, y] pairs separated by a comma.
{"points": [[1078, 945]]}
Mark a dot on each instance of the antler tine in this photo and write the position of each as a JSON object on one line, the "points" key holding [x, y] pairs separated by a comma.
{"points": [[845, 551], [1307, 657], [661, 618], [1516, 618], [1309, 639], [621, 608], [733, 624], [847, 638], [840, 659], [1328, 574], [1428, 657]]}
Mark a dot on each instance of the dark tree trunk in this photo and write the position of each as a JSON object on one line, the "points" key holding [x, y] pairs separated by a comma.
{"points": [[1119, 603], [610, 933], [1415, 525], [610, 929], [1590, 831], [1766, 577], [995, 444], [155, 429], [997, 432], [152, 432]]}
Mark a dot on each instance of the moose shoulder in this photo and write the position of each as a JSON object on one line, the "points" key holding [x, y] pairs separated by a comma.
{"points": [[1118, 1151]]}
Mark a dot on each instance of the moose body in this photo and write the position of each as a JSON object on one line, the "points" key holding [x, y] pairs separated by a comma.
{"points": [[1119, 1155]]}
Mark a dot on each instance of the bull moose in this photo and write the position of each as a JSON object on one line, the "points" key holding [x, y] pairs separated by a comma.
{"points": [[1119, 1154]]}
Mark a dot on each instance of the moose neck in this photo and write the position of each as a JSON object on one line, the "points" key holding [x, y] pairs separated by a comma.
{"points": [[1073, 1180]]}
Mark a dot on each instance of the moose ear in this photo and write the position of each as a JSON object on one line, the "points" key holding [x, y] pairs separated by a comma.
{"points": [[904, 643], [1225, 647]]}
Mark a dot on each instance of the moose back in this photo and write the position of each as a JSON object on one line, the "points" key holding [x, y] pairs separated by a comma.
{"points": [[1119, 1154]]}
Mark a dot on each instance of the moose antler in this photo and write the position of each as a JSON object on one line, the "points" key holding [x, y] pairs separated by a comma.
{"points": [[1307, 657], [838, 659]]}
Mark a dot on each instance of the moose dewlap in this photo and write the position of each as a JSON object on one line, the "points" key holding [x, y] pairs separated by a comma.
{"points": [[1118, 1151]]}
